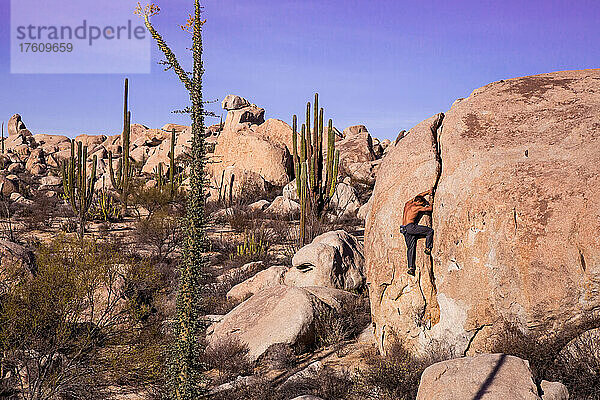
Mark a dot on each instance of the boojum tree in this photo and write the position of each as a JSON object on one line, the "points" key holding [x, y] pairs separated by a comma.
{"points": [[185, 367]]}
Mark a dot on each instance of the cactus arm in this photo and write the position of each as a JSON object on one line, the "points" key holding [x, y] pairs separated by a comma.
{"points": [[335, 173], [172, 164], [111, 172]]}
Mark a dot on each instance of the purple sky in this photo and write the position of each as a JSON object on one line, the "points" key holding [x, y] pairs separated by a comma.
{"points": [[387, 64]]}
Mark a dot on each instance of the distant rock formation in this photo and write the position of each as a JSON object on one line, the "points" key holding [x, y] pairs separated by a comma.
{"points": [[517, 171]]}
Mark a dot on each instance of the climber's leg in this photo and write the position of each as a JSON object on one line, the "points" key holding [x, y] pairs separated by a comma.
{"points": [[411, 245], [422, 231]]}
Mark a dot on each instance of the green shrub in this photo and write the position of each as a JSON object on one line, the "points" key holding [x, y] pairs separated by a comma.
{"points": [[57, 327]]}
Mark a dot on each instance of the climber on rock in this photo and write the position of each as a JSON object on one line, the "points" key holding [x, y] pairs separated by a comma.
{"points": [[412, 231]]}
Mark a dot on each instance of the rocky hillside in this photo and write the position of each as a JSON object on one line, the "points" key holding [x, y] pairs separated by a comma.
{"points": [[515, 167]]}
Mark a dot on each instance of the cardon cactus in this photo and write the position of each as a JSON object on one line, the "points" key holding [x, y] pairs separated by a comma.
{"points": [[169, 181], [316, 175], [78, 187], [124, 171]]}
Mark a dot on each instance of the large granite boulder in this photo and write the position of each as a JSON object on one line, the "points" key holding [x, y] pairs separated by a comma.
{"points": [[483, 377], [247, 151], [276, 131], [234, 102], [333, 259], [15, 125], [269, 277], [357, 153], [279, 314], [345, 200], [515, 214]]}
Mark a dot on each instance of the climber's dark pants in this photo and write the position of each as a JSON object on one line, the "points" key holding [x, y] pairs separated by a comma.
{"points": [[412, 232]]}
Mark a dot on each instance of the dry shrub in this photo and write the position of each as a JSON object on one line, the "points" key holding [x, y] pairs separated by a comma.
{"points": [[42, 211], [394, 376], [278, 356], [334, 326], [162, 231], [229, 356], [326, 384], [578, 366], [571, 356]]}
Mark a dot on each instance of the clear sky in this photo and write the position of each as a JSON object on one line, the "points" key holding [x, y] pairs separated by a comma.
{"points": [[387, 64]]}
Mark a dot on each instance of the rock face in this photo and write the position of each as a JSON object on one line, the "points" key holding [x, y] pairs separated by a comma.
{"points": [[265, 318], [249, 152], [334, 259], [516, 216], [345, 201], [484, 377]]}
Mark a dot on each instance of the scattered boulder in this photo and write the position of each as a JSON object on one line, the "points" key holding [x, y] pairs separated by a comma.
{"points": [[7, 186], [356, 146], [515, 215], [485, 377], [333, 259], [244, 118], [52, 143], [247, 151], [269, 277], [91, 141], [279, 314], [15, 125], [259, 205], [233, 102], [276, 131], [283, 208], [290, 191], [554, 391], [51, 180], [20, 199], [363, 211]]}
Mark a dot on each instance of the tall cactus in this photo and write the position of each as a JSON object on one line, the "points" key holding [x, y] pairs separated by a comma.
{"points": [[168, 181], [78, 188], [314, 190], [121, 179]]}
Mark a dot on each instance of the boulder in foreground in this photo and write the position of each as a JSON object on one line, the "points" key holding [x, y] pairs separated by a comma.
{"points": [[483, 377]]}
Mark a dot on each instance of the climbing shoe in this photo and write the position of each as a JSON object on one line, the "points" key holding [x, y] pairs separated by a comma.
{"points": [[428, 252], [411, 271]]}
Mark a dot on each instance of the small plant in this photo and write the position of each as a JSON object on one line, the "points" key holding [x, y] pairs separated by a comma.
{"points": [[163, 231], [254, 247], [105, 207], [393, 376]]}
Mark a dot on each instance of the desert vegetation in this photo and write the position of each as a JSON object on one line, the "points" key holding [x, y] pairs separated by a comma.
{"points": [[252, 259]]}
